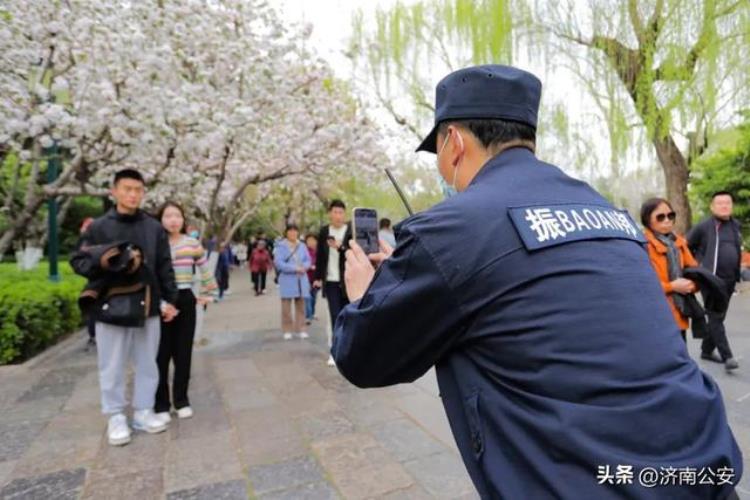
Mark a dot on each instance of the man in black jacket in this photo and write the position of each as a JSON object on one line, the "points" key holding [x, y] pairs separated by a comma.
{"points": [[116, 344], [333, 241], [716, 243]]}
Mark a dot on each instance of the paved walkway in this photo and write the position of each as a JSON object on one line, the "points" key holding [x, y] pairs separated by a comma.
{"points": [[272, 421]]}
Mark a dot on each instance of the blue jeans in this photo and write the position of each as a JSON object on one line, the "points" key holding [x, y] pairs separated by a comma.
{"points": [[310, 303]]}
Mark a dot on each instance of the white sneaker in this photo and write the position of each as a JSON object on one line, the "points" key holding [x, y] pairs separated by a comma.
{"points": [[146, 420], [164, 416], [118, 431], [288, 336], [331, 362], [185, 412], [303, 335]]}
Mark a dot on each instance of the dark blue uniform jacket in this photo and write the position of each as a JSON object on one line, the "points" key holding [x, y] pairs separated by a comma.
{"points": [[559, 363]]}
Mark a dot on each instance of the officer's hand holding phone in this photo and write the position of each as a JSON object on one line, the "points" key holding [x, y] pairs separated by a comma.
{"points": [[386, 251], [359, 272], [359, 268]]}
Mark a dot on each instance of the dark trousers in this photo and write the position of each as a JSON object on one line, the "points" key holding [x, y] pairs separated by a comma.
{"points": [[336, 300], [717, 334], [176, 345], [91, 325], [259, 281], [310, 303], [222, 279]]}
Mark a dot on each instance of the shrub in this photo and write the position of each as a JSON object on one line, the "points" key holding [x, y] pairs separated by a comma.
{"points": [[34, 312]]}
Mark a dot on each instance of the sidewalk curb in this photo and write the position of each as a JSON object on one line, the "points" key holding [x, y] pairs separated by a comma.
{"points": [[66, 344]]}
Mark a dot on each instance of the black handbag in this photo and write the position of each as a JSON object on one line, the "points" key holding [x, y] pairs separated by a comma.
{"points": [[126, 305]]}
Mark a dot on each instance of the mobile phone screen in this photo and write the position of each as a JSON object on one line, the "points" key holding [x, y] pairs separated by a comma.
{"points": [[366, 229]]}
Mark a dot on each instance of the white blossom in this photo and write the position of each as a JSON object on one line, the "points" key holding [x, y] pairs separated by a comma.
{"points": [[223, 85]]}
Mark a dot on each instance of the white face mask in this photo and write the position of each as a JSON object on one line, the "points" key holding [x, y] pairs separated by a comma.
{"points": [[449, 191]]}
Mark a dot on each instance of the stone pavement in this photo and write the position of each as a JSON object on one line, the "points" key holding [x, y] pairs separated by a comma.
{"points": [[272, 421]]}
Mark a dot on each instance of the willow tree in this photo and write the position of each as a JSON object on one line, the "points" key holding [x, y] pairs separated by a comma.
{"points": [[726, 167], [663, 74]]}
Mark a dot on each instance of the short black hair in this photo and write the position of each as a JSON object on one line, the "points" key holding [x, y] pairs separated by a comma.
{"points": [[648, 208], [336, 204], [128, 173], [722, 193], [493, 132], [385, 223], [290, 227]]}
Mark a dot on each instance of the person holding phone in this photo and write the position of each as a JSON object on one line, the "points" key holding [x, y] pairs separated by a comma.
{"points": [[558, 360], [293, 262], [329, 266]]}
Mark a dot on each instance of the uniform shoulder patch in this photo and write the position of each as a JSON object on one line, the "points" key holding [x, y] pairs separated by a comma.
{"points": [[542, 226]]}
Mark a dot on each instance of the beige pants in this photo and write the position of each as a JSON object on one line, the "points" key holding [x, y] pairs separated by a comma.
{"points": [[289, 324]]}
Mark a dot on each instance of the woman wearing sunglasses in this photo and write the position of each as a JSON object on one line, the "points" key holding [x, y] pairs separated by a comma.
{"points": [[669, 255]]}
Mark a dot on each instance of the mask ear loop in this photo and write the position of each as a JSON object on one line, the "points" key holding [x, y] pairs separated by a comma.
{"points": [[445, 142], [458, 163]]}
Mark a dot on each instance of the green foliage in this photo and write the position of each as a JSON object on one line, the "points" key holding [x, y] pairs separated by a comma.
{"points": [[421, 189], [34, 312], [655, 70], [409, 36], [727, 169], [306, 207], [80, 208]]}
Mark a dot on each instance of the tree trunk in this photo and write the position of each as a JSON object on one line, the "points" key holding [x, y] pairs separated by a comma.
{"points": [[19, 223], [676, 176], [33, 199]]}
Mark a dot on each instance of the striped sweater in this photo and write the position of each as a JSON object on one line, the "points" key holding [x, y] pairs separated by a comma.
{"points": [[189, 258]]}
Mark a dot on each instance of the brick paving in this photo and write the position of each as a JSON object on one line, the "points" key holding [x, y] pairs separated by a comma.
{"points": [[272, 421]]}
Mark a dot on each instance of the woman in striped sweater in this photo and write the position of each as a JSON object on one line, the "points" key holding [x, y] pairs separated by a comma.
{"points": [[188, 259]]}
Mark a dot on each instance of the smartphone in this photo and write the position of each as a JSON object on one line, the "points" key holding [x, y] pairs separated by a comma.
{"points": [[365, 229]]}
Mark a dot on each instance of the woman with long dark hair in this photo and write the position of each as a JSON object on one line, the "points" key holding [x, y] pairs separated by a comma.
{"points": [[669, 255], [188, 260]]}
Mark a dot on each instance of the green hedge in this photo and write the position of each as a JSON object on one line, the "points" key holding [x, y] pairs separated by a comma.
{"points": [[35, 312]]}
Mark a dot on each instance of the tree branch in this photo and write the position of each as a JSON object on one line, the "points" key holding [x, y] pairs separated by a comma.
{"points": [[635, 21], [220, 180], [682, 72], [655, 22]]}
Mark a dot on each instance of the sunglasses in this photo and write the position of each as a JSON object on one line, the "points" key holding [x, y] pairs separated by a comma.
{"points": [[671, 216]]}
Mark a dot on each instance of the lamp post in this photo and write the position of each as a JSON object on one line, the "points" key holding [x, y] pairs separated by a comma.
{"points": [[53, 170]]}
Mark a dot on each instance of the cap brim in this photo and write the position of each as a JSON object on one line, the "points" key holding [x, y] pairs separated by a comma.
{"points": [[429, 142]]}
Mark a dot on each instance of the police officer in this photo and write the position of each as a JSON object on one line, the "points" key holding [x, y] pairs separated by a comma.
{"points": [[558, 360]]}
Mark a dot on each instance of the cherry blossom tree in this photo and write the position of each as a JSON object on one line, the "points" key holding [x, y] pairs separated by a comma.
{"points": [[205, 98]]}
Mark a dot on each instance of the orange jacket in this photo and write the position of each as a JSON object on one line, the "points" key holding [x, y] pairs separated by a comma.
{"points": [[657, 253]]}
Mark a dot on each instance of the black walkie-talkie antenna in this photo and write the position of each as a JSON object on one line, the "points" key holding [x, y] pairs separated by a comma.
{"points": [[400, 192]]}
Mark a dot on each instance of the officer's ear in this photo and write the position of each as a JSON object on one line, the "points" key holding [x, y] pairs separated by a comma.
{"points": [[458, 146]]}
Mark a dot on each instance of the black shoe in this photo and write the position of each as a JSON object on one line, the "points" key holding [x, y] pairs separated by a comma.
{"points": [[731, 364], [90, 345], [711, 357]]}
